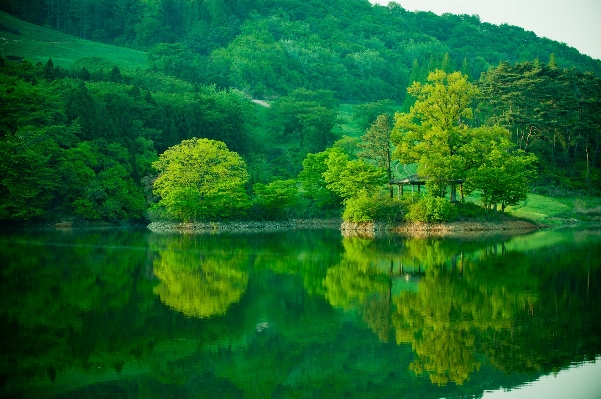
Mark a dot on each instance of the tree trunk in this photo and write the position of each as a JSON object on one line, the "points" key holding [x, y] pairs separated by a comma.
{"points": [[588, 170]]}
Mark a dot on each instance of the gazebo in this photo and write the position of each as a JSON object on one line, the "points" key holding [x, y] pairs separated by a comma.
{"points": [[419, 181]]}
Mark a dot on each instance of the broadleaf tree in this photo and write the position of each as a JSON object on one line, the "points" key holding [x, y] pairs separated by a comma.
{"points": [[435, 135], [503, 177], [348, 178], [201, 179], [377, 147], [434, 131]]}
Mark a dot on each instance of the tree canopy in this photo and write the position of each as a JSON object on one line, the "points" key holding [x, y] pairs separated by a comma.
{"points": [[86, 129], [200, 179], [437, 136]]}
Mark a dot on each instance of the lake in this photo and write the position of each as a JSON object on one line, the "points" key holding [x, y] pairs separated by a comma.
{"points": [[299, 314]]}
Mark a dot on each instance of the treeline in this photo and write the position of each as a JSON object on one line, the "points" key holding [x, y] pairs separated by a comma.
{"points": [[78, 144], [72, 147], [551, 112], [267, 48]]}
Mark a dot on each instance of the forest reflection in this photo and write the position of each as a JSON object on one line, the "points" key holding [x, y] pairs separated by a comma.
{"points": [[200, 283], [314, 309], [455, 300]]}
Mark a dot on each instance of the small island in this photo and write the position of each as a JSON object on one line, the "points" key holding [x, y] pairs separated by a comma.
{"points": [[201, 183]]}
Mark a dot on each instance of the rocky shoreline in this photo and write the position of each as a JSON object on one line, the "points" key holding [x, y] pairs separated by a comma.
{"points": [[244, 226], [345, 227], [457, 228], [442, 227]]}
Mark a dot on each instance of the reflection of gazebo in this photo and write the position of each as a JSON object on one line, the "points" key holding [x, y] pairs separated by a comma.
{"points": [[419, 181]]}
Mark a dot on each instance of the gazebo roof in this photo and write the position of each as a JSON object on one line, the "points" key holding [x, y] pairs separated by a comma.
{"points": [[413, 180], [417, 180]]}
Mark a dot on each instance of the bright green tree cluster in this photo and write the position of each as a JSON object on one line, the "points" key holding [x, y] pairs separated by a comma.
{"points": [[200, 179], [437, 136]]}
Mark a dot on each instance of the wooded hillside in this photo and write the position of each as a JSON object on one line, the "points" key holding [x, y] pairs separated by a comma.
{"points": [[78, 137], [361, 52]]}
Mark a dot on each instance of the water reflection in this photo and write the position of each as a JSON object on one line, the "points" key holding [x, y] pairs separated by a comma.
{"points": [[303, 314], [197, 282], [527, 310]]}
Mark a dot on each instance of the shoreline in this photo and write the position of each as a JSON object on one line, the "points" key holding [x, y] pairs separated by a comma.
{"points": [[243, 226], [345, 227], [456, 226]]}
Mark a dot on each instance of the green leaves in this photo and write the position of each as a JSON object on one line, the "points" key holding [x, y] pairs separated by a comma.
{"points": [[445, 102], [308, 116], [430, 209], [275, 200], [550, 112], [28, 182], [200, 179], [503, 178], [347, 178], [435, 135], [313, 183]]}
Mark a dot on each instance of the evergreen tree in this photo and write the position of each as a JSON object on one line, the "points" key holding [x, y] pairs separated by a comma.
{"points": [[377, 146], [49, 72]]}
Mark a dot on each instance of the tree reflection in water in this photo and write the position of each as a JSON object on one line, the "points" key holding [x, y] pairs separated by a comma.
{"points": [[472, 299], [200, 284], [293, 314]]}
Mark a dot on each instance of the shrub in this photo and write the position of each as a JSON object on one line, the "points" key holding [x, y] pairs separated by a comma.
{"points": [[365, 207], [432, 209], [275, 200], [470, 210]]}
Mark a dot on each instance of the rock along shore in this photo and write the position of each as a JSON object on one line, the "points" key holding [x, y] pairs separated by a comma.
{"points": [[458, 226], [345, 227], [463, 228], [244, 226]]}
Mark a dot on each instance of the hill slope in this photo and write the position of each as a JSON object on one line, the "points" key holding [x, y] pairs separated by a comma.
{"points": [[268, 48], [37, 44]]}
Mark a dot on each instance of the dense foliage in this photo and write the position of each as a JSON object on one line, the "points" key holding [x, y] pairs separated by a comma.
{"points": [[362, 52], [436, 135], [81, 148], [78, 142], [200, 179], [552, 112], [131, 313]]}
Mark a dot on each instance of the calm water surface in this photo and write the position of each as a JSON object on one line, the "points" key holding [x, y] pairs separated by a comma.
{"points": [[299, 314]]}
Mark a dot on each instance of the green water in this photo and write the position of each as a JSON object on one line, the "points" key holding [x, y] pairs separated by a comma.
{"points": [[299, 314]]}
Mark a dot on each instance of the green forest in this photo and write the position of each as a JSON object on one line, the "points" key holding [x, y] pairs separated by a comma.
{"points": [[292, 109]]}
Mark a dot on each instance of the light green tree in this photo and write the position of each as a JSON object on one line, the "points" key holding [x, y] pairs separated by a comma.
{"points": [[348, 177], [200, 179], [503, 177], [434, 131], [314, 185], [435, 134]]}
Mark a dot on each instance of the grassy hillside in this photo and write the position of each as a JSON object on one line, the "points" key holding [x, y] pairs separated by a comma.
{"points": [[37, 44], [558, 211]]}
